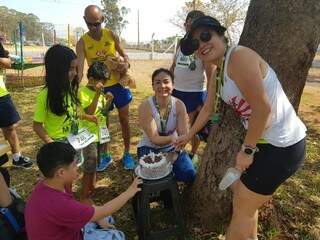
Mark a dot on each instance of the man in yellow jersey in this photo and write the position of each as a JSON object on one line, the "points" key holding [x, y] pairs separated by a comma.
{"points": [[97, 45], [9, 115]]}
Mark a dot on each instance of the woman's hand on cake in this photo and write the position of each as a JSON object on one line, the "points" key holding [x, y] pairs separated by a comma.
{"points": [[134, 187], [174, 139], [182, 141]]}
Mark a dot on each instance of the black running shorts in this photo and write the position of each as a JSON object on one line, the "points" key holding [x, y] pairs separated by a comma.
{"points": [[272, 166]]}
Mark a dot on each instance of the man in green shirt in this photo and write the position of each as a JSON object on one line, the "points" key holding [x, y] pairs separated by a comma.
{"points": [[9, 115]]}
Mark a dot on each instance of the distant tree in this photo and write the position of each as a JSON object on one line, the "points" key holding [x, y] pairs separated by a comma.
{"points": [[231, 13], [9, 21], [47, 30], [114, 15], [180, 17]]}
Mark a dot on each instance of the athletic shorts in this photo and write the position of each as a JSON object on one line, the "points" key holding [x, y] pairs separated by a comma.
{"points": [[192, 100], [121, 96], [8, 112], [90, 155], [272, 166]]}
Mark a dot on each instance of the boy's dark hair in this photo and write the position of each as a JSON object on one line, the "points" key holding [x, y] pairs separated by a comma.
{"points": [[54, 155], [98, 71], [194, 14], [160, 70]]}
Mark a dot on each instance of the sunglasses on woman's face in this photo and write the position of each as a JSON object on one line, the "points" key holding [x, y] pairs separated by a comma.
{"points": [[96, 24], [204, 36]]}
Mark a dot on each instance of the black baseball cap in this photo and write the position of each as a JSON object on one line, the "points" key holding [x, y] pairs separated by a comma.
{"points": [[187, 44]]}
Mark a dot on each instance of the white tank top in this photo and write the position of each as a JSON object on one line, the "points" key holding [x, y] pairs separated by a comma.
{"points": [[185, 79], [170, 128], [284, 126]]}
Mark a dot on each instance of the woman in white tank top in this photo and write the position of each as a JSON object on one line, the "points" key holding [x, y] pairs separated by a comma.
{"points": [[274, 144], [163, 118]]}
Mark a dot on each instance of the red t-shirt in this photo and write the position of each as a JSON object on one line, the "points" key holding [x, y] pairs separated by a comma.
{"points": [[54, 215]]}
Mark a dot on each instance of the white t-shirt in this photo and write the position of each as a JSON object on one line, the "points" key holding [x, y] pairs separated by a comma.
{"points": [[185, 79]]}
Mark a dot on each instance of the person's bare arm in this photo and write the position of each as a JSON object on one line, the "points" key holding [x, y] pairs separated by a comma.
{"points": [[173, 65], [122, 66], [93, 106], [205, 111], [5, 197], [81, 57], [5, 63], [174, 61], [115, 204], [118, 47], [182, 118], [246, 72], [41, 132], [149, 126]]}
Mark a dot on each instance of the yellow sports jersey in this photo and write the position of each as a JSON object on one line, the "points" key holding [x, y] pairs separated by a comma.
{"points": [[3, 89], [57, 127], [86, 97], [99, 51]]}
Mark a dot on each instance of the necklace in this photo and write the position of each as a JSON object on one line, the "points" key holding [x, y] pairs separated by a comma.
{"points": [[164, 119], [219, 84]]}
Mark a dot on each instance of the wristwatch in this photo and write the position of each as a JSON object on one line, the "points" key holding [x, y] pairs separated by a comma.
{"points": [[249, 150]]}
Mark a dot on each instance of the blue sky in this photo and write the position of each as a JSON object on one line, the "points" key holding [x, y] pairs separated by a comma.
{"points": [[154, 14]]}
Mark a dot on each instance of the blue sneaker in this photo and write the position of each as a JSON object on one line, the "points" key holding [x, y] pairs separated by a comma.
{"points": [[128, 161], [105, 161]]}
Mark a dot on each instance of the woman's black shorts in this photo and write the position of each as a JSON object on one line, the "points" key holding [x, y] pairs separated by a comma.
{"points": [[272, 166]]}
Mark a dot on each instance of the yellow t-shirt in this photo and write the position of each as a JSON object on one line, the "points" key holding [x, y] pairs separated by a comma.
{"points": [[3, 89], [56, 126], [86, 96], [99, 51]]}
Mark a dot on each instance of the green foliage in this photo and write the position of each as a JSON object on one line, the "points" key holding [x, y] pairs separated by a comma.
{"points": [[9, 21], [114, 15], [231, 13]]}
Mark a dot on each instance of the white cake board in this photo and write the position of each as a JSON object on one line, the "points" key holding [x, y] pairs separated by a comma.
{"points": [[137, 171]]}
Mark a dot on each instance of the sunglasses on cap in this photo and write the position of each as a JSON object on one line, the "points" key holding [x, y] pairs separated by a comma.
{"points": [[96, 24], [205, 36]]}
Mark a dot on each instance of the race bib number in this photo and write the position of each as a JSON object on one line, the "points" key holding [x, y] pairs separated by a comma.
{"points": [[183, 61], [82, 139], [104, 135]]}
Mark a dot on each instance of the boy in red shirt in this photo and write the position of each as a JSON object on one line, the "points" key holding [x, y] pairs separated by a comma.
{"points": [[51, 211]]}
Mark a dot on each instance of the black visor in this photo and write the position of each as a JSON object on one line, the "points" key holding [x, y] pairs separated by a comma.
{"points": [[188, 45]]}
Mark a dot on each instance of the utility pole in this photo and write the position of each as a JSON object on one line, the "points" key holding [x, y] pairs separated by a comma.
{"points": [[138, 30], [194, 4]]}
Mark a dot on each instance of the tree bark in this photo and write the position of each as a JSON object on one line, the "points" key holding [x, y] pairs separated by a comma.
{"points": [[286, 34]]}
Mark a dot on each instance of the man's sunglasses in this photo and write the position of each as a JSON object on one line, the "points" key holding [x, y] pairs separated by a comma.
{"points": [[96, 24], [205, 36]]}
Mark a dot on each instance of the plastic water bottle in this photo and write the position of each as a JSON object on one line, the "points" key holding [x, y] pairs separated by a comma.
{"points": [[230, 177]]}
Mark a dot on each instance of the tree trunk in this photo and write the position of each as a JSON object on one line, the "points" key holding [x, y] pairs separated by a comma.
{"points": [[286, 34]]}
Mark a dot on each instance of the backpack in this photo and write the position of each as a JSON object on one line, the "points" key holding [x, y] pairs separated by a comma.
{"points": [[12, 220]]}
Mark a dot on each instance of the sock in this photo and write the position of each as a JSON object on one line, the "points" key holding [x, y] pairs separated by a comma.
{"points": [[16, 156]]}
